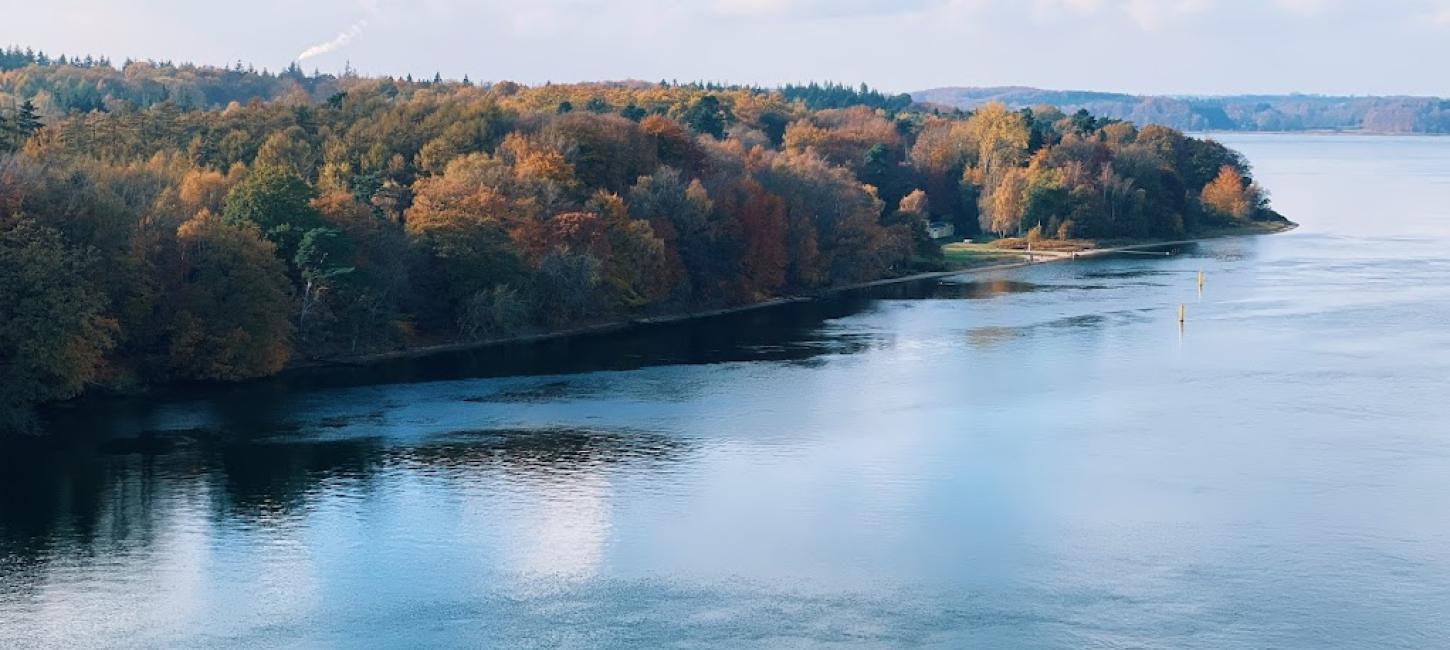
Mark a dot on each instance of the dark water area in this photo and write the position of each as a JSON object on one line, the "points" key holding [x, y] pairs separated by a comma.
{"points": [[1037, 457]]}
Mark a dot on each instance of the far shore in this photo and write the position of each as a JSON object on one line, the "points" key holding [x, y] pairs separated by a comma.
{"points": [[1324, 132], [1020, 259]]}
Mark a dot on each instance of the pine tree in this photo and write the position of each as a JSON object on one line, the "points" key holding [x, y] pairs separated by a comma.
{"points": [[27, 120]]}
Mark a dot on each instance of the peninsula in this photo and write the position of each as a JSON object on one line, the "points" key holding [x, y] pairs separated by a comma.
{"points": [[166, 222]]}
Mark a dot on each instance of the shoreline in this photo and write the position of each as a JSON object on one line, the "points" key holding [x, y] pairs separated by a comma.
{"points": [[303, 368], [610, 327]]}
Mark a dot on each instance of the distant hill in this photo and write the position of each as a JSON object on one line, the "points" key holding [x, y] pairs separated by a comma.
{"points": [[1228, 113]]}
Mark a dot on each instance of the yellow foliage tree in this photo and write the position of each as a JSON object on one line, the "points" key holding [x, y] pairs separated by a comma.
{"points": [[1001, 137], [1002, 203], [1228, 196]]}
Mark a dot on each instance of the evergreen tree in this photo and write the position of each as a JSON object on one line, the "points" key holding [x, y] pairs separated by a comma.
{"points": [[27, 120], [633, 113], [707, 115]]}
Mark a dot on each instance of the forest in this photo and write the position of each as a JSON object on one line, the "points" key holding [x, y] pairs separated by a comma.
{"points": [[166, 222]]}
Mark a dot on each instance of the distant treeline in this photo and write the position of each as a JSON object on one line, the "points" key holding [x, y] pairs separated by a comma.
{"points": [[189, 223], [1233, 113]]}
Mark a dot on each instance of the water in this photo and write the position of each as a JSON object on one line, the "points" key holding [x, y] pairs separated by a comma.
{"points": [[1038, 457]]}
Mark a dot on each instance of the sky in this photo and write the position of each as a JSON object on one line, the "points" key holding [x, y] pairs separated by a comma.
{"points": [[1199, 47]]}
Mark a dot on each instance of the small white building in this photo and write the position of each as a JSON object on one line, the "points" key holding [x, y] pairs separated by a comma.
{"points": [[940, 229]]}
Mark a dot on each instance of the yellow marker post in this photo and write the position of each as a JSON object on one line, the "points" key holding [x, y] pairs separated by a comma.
{"points": [[1182, 313], [1200, 281]]}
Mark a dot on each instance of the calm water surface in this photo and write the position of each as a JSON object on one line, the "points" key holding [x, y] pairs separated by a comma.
{"points": [[1037, 458]]}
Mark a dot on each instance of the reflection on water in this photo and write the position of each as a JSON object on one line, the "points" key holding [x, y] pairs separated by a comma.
{"points": [[990, 335], [982, 289], [1031, 458], [60, 492]]}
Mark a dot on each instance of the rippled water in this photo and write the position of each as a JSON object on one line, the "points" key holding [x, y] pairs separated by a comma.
{"points": [[1039, 457]]}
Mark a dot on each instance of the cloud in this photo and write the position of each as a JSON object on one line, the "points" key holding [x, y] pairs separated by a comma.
{"points": [[1147, 15], [1152, 14], [750, 7], [1305, 7], [1440, 16], [1049, 7], [353, 31], [820, 8]]}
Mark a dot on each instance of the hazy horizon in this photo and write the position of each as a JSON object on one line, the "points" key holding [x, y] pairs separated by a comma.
{"points": [[1156, 47]]}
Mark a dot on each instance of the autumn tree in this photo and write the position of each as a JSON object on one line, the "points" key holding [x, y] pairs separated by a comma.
{"points": [[233, 306], [909, 224], [53, 331], [636, 270], [916, 205], [673, 143], [1003, 202], [682, 214], [288, 150], [1001, 137], [1228, 196], [845, 137], [761, 219], [463, 224], [832, 220], [203, 189], [606, 151], [943, 150]]}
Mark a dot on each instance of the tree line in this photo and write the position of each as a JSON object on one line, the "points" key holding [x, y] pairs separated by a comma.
{"points": [[343, 215], [1228, 113]]}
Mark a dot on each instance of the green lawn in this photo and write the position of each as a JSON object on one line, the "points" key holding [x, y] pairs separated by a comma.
{"points": [[963, 255]]}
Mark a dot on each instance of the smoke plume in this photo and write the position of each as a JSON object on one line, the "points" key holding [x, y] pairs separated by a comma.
{"points": [[369, 7]]}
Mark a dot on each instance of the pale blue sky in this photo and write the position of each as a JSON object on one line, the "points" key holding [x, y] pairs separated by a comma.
{"points": [[1144, 46]]}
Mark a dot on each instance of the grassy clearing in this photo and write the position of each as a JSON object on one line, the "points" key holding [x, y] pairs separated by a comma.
{"points": [[965, 255], [978, 253], [1044, 245]]}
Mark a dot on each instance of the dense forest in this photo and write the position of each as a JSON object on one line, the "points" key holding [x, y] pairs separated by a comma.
{"points": [[1230, 113], [163, 223]]}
